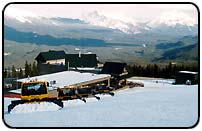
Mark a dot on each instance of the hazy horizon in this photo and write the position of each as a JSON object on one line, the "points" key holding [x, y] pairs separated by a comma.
{"points": [[124, 12]]}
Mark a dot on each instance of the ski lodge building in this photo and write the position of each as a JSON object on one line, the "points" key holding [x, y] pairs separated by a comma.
{"points": [[51, 57], [57, 61], [76, 70], [186, 77]]}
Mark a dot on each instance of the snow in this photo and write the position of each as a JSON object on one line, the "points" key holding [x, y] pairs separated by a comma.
{"points": [[117, 48], [67, 78], [76, 49], [172, 18], [144, 45], [97, 19], [157, 104], [19, 14], [18, 91], [43, 106], [86, 68], [189, 72], [7, 53]]}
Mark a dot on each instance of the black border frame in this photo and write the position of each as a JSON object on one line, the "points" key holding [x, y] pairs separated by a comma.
{"points": [[193, 126]]}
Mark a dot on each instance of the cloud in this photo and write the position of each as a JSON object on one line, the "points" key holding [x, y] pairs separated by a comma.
{"points": [[124, 12]]}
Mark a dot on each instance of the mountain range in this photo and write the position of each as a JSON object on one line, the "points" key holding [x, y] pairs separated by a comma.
{"points": [[180, 24], [95, 32]]}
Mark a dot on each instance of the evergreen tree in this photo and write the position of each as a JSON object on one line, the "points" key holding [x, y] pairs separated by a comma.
{"points": [[8, 74], [156, 70], [153, 70], [140, 69], [34, 69], [149, 71], [14, 73], [170, 70], [5, 73], [27, 69], [31, 71], [20, 73]]}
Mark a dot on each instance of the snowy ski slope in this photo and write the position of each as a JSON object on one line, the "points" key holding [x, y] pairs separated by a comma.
{"points": [[158, 104]]}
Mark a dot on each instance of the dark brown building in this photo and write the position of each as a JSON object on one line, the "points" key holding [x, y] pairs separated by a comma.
{"points": [[56, 61]]}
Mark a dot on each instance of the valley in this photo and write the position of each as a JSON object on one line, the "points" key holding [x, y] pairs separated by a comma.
{"points": [[160, 40]]}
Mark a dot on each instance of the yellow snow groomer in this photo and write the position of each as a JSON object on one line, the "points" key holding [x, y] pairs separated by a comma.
{"points": [[32, 92]]}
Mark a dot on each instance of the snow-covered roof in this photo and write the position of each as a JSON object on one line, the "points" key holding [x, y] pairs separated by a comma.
{"points": [[67, 78], [84, 68], [18, 91], [188, 72]]}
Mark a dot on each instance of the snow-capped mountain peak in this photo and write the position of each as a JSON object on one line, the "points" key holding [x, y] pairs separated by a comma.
{"points": [[167, 23], [94, 18], [172, 18], [20, 15]]}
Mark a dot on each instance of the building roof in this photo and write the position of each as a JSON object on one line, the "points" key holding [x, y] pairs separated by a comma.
{"points": [[67, 78], [188, 72], [50, 55], [81, 60], [115, 68]]}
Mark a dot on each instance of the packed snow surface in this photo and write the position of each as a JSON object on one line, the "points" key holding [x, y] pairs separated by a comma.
{"points": [[28, 108], [157, 104]]}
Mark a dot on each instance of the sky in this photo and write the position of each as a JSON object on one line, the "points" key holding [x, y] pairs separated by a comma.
{"points": [[128, 12]]}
